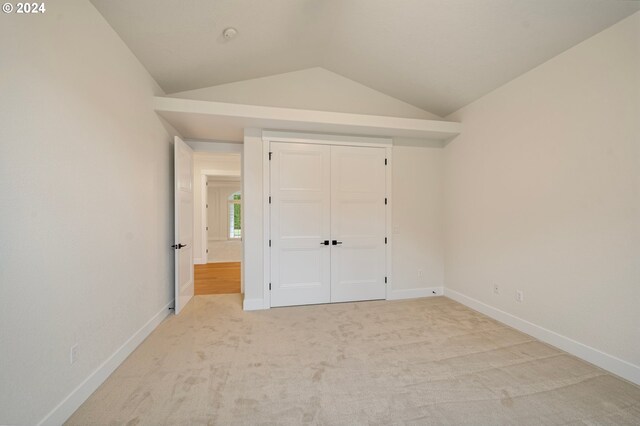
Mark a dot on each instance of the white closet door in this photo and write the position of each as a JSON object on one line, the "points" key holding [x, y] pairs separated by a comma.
{"points": [[358, 214], [300, 223]]}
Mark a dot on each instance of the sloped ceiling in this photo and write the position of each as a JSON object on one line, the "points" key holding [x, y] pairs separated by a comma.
{"points": [[438, 55], [313, 89]]}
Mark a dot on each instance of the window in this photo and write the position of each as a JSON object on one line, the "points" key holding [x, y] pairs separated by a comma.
{"points": [[235, 208]]}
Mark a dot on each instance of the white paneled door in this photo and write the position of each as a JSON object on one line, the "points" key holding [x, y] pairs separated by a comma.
{"points": [[358, 223], [183, 242], [328, 218], [300, 224]]}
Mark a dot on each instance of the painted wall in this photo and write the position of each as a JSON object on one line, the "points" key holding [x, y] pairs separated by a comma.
{"points": [[218, 211], [252, 221], [417, 218], [86, 177], [418, 245], [216, 163], [542, 194], [312, 88]]}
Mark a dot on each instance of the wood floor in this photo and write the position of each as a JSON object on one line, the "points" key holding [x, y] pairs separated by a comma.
{"points": [[217, 278]]}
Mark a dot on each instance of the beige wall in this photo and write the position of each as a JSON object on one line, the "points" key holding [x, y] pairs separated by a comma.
{"points": [[252, 220], [417, 215], [542, 194], [86, 177]]}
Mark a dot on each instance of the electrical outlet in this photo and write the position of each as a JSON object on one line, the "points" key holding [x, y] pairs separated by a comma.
{"points": [[496, 289], [519, 296], [73, 354]]}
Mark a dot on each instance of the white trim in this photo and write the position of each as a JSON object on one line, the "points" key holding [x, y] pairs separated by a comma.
{"points": [[198, 261], [253, 305], [389, 220], [414, 293], [242, 216], [204, 203], [314, 138], [74, 400], [207, 120], [221, 173], [266, 221], [214, 146], [617, 366]]}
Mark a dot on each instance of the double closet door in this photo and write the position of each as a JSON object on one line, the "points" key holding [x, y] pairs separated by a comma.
{"points": [[328, 215]]}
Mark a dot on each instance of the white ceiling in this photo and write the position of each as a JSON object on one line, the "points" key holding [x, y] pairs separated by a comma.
{"points": [[438, 55]]}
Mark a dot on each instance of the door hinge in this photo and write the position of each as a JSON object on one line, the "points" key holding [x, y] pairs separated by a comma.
{"points": [[385, 240], [269, 243], [207, 250], [270, 154], [207, 184], [385, 161], [385, 280], [207, 205], [269, 199], [269, 286], [385, 200], [207, 228]]}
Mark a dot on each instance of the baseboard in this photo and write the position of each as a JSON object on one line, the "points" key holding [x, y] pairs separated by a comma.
{"points": [[198, 261], [74, 400], [617, 366], [252, 304], [413, 293]]}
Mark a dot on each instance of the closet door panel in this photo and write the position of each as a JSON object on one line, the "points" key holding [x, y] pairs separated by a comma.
{"points": [[300, 221], [358, 226]]}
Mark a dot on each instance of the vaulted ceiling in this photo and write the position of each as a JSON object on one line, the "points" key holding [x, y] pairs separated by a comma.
{"points": [[438, 55]]}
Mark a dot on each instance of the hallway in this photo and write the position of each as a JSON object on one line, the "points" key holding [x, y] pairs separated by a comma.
{"points": [[217, 278]]}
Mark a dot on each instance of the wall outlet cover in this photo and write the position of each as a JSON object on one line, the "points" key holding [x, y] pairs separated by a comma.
{"points": [[73, 354]]}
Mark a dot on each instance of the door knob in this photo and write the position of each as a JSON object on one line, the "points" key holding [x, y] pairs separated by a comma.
{"points": [[336, 242], [178, 246], [324, 243]]}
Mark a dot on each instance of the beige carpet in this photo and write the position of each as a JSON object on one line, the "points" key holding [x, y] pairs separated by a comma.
{"points": [[422, 361]]}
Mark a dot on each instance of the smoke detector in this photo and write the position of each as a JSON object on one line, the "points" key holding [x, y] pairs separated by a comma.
{"points": [[229, 33]]}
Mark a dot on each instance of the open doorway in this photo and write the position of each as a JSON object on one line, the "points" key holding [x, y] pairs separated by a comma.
{"points": [[224, 221], [219, 225]]}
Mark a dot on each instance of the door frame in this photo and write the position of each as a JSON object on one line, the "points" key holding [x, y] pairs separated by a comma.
{"points": [[215, 147], [269, 136]]}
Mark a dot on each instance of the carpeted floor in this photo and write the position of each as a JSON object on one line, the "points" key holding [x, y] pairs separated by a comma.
{"points": [[422, 361]]}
